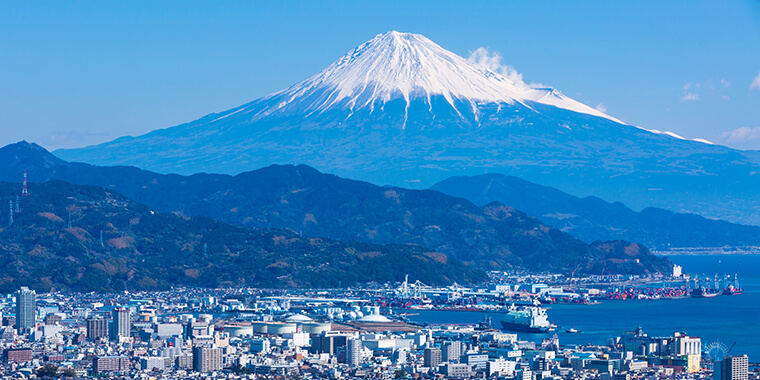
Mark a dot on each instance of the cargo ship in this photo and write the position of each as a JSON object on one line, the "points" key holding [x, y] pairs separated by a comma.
{"points": [[733, 289], [530, 319], [702, 291]]}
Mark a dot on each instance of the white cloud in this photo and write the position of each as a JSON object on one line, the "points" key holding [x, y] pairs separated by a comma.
{"points": [[71, 139], [755, 83], [725, 83], [601, 108], [740, 135], [690, 92], [492, 61]]}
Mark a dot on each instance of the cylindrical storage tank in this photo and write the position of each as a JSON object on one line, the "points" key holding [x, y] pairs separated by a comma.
{"points": [[280, 328], [316, 327], [259, 327], [376, 310], [239, 331]]}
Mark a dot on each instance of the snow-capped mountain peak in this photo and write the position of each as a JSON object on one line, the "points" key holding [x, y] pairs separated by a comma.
{"points": [[410, 66]]}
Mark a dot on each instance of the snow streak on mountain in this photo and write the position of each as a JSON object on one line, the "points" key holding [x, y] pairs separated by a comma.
{"points": [[401, 110]]}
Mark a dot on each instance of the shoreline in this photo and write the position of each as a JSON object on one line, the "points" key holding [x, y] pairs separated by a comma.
{"points": [[706, 252]]}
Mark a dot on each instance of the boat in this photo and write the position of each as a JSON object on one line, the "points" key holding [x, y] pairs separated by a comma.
{"points": [[573, 331], [485, 324], [733, 289], [530, 319], [703, 292]]}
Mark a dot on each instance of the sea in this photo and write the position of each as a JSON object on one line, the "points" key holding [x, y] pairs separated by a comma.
{"points": [[733, 321]]}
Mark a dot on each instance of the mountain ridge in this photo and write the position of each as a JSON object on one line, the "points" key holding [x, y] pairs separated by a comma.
{"points": [[314, 204], [54, 243], [414, 138], [591, 218]]}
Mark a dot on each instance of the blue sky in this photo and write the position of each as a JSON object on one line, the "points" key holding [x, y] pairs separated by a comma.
{"points": [[78, 73]]}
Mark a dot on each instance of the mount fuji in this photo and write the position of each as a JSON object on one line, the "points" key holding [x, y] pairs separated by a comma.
{"points": [[401, 110]]}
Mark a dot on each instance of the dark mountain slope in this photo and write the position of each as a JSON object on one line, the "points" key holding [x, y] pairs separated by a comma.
{"points": [[144, 250], [314, 204]]}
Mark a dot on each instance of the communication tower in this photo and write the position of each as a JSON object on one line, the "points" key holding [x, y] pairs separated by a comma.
{"points": [[10, 213], [24, 190]]}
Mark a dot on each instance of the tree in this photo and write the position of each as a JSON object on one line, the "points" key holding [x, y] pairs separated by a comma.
{"points": [[48, 370], [241, 370], [69, 372]]}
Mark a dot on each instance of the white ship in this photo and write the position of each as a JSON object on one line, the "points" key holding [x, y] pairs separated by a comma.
{"points": [[531, 319]]}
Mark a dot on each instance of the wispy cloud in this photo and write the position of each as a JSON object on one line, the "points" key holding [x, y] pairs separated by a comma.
{"points": [[755, 82], [708, 90], [491, 60], [690, 92], [71, 139], [740, 135], [601, 108]]}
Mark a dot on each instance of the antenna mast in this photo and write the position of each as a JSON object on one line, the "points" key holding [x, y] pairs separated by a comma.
{"points": [[10, 213], [24, 190]]}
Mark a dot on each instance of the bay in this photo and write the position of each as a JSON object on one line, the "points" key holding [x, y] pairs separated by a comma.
{"points": [[725, 319]]}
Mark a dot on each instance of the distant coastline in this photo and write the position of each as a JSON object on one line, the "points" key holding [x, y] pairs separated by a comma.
{"points": [[748, 250]]}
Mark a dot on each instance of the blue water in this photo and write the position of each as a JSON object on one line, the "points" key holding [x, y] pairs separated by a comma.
{"points": [[727, 319]]}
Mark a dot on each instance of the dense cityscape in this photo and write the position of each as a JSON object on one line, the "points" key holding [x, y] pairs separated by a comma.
{"points": [[421, 189], [366, 332]]}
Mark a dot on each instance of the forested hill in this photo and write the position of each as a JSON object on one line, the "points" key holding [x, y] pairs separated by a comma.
{"points": [[144, 250], [320, 205]]}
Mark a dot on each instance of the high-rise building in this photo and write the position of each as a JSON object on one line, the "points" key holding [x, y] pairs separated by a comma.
{"points": [[184, 362], [451, 351], [432, 357], [97, 328], [476, 361], [327, 343], [17, 355], [354, 352], [687, 345], [400, 355], [121, 324], [26, 308], [110, 364], [731, 368], [207, 359]]}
